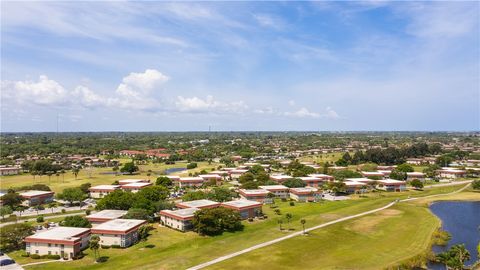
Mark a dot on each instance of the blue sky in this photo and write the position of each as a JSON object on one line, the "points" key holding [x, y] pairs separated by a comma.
{"points": [[160, 66]]}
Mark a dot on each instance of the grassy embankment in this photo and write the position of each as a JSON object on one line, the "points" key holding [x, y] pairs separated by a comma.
{"points": [[351, 242]]}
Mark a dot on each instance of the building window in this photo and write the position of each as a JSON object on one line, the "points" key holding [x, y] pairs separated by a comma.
{"points": [[36, 251], [49, 245]]}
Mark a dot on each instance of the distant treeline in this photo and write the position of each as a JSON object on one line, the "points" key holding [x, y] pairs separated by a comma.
{"points": [[390, 155]]}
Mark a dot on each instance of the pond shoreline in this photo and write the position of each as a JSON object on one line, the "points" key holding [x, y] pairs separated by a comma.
{"points": [[458, 218]]}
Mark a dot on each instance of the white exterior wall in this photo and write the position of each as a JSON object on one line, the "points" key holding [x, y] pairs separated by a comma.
{"points": [[44, 249], [110, 239], [280, 194], [181, 225], [182, 185], [99, 194], [298, 198], [119, 239], [9, 172]]}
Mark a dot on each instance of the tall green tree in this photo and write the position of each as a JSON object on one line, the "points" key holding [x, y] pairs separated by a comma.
{"points": [[76, 221], [72, 195], [5, 210], [215, 221], [164, 181], [129, 167], [12, 236]]}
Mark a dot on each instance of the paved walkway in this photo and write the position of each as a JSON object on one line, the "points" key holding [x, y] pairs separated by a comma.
{"points": [[271, 242], [35, 263]]}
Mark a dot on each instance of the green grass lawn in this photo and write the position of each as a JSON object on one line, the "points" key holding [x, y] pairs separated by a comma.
{"points": [[97, 176], [176, 250], [371, 242]]}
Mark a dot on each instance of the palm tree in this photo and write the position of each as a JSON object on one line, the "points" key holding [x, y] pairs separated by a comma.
{"points": [[280, 222], [454, 258], [271, 197], [34, 173], [461, 253], [49, 177], [303, 221], [94, 244], [52, 205], [288, 216], [75, 172]]}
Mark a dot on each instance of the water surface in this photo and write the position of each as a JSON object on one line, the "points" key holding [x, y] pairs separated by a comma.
{"points": [[462, 221]]}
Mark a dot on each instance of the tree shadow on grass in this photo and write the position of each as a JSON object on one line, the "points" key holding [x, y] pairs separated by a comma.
{"points": [[102, 259]]}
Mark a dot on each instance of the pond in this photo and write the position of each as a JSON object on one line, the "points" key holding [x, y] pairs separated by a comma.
{"points": [[462, 221], [174, 170]]}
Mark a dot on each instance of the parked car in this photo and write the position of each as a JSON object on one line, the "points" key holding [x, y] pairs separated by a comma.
{"points": [[52, 224], [6, 262]]}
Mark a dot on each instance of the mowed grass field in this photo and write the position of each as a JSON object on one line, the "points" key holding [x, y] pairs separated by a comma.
{"points": [[352, 242], [96, 176], [370, 242]]}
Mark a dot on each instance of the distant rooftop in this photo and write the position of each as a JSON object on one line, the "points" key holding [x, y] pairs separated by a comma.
{"points": [[105, 187], [120, 225], [242, 203], [108, 214], [198, 204], [34, 193], [182, 213]]}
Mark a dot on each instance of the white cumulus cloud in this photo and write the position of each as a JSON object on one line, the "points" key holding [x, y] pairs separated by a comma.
{"points": [[209, 104], [42, 92], [305, 113]]}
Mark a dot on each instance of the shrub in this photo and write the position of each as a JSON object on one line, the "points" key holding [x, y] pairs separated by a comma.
{"points": [[476, 184], [64, 211], [104, 247], [250, 219], [284, 199], [191, 166], [25, 255], [116, 246], [292, 204], [88, 211], [53, 257], [35, 256], [150, 246], [40, 219]]}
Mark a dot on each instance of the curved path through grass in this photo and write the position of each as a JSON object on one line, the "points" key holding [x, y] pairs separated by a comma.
{"points": [[271, 242]]}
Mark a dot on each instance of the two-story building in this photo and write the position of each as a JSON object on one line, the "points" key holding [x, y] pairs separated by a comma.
{"points": [[180, 219], [121, 232], [67, 242], [259, 195], [100, 191], [246, 208], [36, 197], [280, 191]]}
